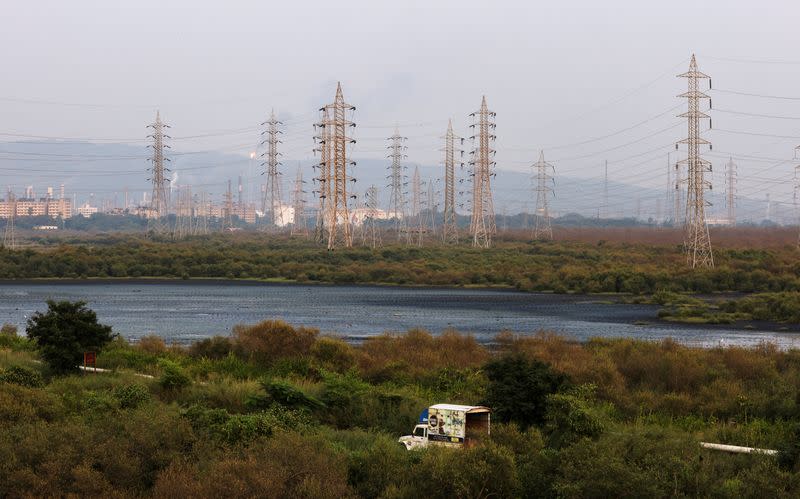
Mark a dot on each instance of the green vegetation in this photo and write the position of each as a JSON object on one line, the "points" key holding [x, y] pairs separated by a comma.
{"points": [[65, 332], [280, 411], [773, 307], [560, 266]]}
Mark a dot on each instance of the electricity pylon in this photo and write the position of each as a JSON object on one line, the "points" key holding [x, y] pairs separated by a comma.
{"points": [[397, 184], [697, 240], [299, 206], [668, 195], [159, 203], [416, 207], [272, 191], [482, 226], [449, 224], [372, 236], [340, 230], [184, 212], [322, 139], [605, 189], [62, 206], [204, 211], [10, 235], [543, 186], [730, 190], [227, 210], [432, 206], [797, 190]]}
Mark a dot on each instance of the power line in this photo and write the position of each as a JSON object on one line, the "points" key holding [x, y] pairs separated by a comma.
{"points": [[749, 94]]}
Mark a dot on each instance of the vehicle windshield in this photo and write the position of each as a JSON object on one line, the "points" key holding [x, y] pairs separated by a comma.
{"points": [[419, 431]]}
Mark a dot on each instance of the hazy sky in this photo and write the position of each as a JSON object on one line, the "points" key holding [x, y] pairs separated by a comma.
{"points": [[563, 76]]}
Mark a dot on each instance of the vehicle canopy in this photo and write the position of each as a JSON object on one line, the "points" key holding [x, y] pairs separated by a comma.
{"points": [[467, 409], [456, 423]]}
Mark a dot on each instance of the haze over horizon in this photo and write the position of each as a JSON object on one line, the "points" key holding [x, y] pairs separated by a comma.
{"points": [[583, 81]]}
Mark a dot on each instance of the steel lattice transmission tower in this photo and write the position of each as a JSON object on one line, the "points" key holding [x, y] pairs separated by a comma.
{"points": [[340, 230], [397, 183], [697, 238], [482, 226], [322, 139], [299, 206], [227, 209], [797, 190], [372, 235], [10, 234], [184, 212], [416, 207], [730, 190], [159, 202], [543, 186], [432, 206], [204, 211], [272, 191], [605, 190], [450, 222]]}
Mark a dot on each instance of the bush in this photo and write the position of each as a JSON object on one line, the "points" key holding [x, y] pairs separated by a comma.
{"points": [[131, 396], [518, 389], [334, 354], [287, 465], [8, 330], [22, 376], [152, 344], [570, 418], [269, 341], [486, 470], [282, 393], [215, 348], [173, 377]]}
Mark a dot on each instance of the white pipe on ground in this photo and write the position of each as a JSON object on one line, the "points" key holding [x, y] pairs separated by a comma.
{"points": [[738, 450]]}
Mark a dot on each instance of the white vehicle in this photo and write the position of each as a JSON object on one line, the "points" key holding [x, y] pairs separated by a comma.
{"points": [[449, 425]]}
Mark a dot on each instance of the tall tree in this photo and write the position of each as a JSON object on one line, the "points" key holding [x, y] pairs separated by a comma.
{"points": [[65, 332]]}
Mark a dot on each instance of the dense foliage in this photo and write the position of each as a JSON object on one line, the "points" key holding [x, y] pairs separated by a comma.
{"points": [[65, 332], [783, 307], [559, 266], [312, 416]]}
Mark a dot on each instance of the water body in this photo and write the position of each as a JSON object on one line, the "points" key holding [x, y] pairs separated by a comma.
{"points": [[186, 311]]}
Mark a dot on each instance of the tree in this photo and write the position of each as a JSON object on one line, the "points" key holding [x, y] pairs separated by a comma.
{"points": [[65, 332], [518, 389]]}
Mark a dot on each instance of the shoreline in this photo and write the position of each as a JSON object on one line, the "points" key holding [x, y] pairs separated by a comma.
{"points": [[225, 281]]}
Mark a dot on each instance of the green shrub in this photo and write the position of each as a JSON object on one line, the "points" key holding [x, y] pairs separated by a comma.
{"points": [[9, 330], [215, 348], [21, 376], [282, 393], [518, 389], [152, 344], [486, 470], [131, 396], [269, 341], [569, 418], [173, 377]]}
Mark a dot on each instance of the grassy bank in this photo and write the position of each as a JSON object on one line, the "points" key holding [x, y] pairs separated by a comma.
{"points": [[283, 412]]}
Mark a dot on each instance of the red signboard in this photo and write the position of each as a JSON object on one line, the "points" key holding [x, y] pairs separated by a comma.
{"points": [[89, 359]]}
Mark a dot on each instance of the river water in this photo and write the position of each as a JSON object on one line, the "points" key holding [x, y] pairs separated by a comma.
{"points": [[185, 311]]}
